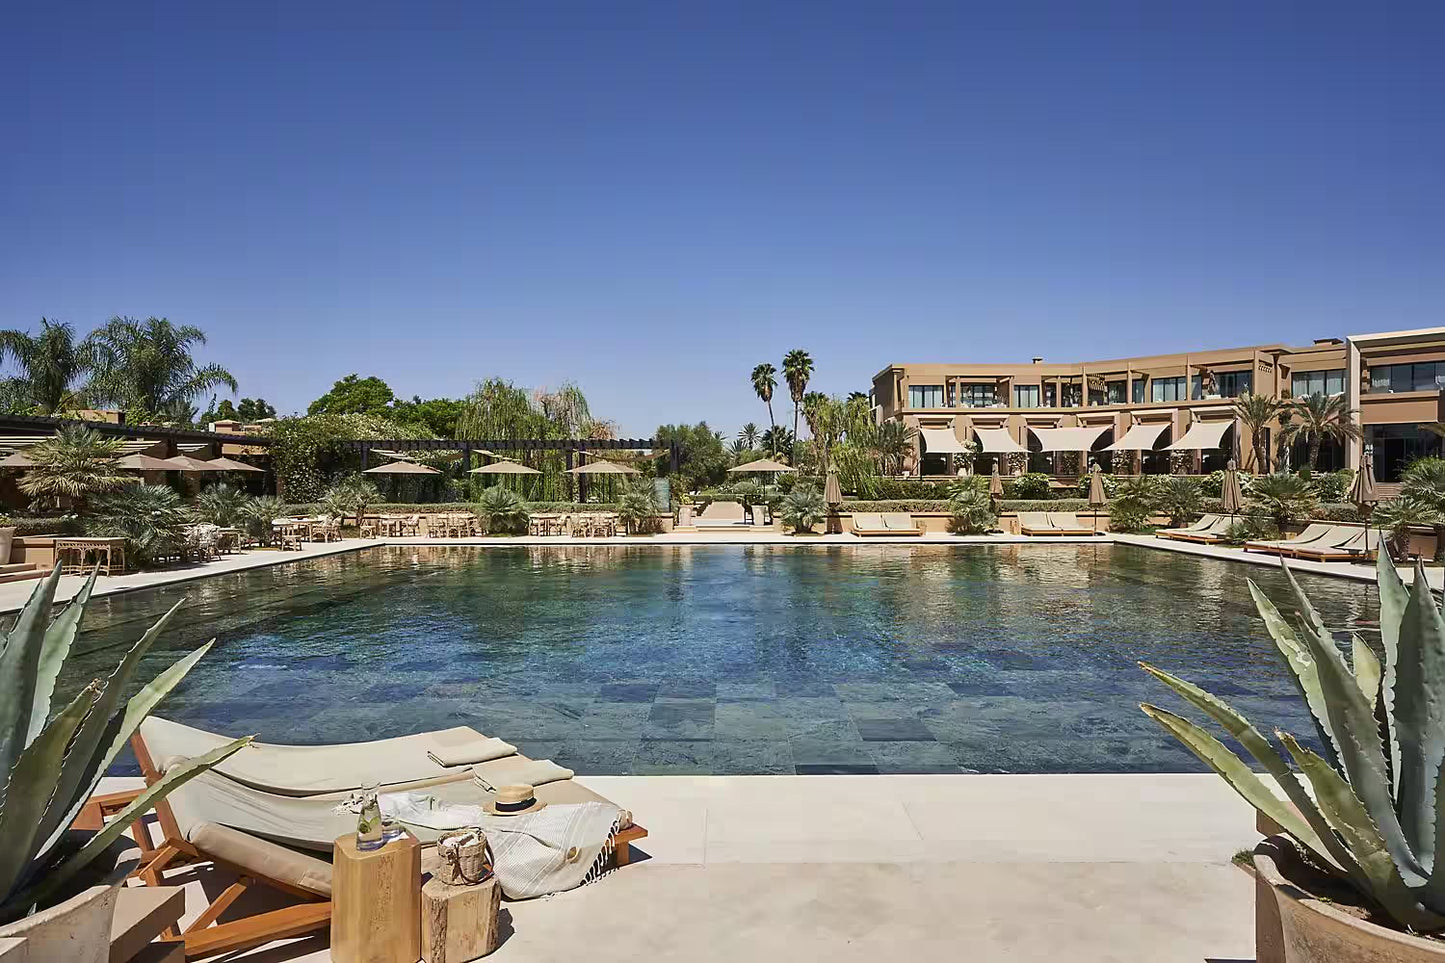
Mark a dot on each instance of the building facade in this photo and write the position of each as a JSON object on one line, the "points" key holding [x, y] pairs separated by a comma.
{"points": [[1164, 413]]}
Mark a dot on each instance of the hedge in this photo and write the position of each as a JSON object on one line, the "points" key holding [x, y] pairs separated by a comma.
{"points": [[62, 525], [432, 508]]}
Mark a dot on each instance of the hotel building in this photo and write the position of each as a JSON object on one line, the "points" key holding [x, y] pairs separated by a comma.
{"points": [[1167, 412]]}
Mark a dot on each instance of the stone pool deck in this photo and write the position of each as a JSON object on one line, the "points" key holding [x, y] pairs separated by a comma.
{"points": [[14, 594], [992, 868]]}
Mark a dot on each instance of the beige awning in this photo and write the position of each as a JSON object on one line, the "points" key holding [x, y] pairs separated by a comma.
{"points": [[1067, 439], [998, 441], [1140, 438], [1202, 435], [942, 441]]}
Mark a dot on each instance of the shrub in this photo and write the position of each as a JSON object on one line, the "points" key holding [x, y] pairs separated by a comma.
{"points": [[1128, 515], [150, 518], [972, 513], [1333, 486], [259, 516], [501, 510], [638, 506], [220, 505], [803, 508], [1251, 528], [353, 495], [1179, 497], [1111, 485], [1285, 497], [897, 505], [1032, 486]]}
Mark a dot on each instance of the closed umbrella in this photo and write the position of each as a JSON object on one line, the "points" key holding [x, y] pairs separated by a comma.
{"points": [[1231, 496], [833, 495], [1098, 498], [1362, 493], [995, 482]]}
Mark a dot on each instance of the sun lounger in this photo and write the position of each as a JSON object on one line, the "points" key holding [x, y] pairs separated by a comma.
{"points": [[268, 839], [1311, 535], [1361, 543], [1036, 523], [901, 523], [722, 515], [311, 770], [1067, 523], [867, 524], [1204, 523], [1214, 531]]}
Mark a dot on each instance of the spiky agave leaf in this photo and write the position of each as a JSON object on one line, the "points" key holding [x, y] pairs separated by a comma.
{"points": [[1367, 672], [1420, 715], [53, 652], [19, 664], [1300, 662], [1394, 596]]}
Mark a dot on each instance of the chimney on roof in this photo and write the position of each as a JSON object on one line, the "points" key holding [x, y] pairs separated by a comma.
{"points": [[1038, 361]]}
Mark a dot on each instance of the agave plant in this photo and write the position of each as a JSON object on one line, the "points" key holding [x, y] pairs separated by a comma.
{"points": [[54, 764], [1374, 812]]}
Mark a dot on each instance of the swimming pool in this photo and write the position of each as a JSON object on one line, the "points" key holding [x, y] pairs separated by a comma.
{"points": [[730, 659]]}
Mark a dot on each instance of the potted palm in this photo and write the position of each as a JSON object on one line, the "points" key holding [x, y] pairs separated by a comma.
{"points": [[58, 885], [1358, 872]]}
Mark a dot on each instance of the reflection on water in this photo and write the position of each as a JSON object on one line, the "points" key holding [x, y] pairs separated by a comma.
{"points": [[730, 659]]}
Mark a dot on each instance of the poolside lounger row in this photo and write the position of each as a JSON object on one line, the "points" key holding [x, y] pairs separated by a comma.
{"points": [[1208, 530], [867, 524], [269, 814], [1052, 523], [1322, 542]]}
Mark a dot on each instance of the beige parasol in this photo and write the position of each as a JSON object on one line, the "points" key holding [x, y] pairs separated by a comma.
{"points": [[1098, 498], [602, 468], [995, 482], [145, 463], [761, 465], [1362, 492], [228, 464], [187, 463], [504, 468], [401, 468], [16, 460], [1231, 496]]}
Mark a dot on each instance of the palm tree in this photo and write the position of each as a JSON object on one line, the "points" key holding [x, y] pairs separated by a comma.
{"points": [[765, 379], [749, 436], [75, 463], [1284, 496], [1321, 417], [148, 365], [893, 444], [856, 396], [797, 369], [1421, 501], [778, 439], [49, 362], [1257, 413]]}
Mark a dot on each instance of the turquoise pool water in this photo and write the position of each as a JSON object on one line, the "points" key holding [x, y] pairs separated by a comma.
{"points": [[731, 659]]}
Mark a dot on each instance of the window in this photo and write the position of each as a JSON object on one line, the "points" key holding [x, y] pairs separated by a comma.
{"points": [[1196, 387], [1115, 392], [1232, 384], [1073, 396], [1306, 383], [1051, 398], [1026, 396], [1394, 378], [1141, 385], [976, 396], [1167, 389], [925, 396]]}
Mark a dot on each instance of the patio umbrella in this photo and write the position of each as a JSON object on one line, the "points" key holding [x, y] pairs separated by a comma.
{"points": [[1098, 498], [229, 464], [995, 483], [833, 495], [401, 468], [762, 465], [145, 463], [16, 460], [1362, 493], [1231, 496], [504, 468], [602, 468], [187, 463]]}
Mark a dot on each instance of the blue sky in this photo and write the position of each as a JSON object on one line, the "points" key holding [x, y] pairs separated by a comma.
{"points": [[649, 199]]}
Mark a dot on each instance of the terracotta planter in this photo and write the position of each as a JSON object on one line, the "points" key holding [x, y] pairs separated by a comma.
{"points": [[1311, 931], [77, 930]]}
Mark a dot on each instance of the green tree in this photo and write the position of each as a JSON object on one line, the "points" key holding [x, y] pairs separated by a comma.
{"points": [[797, 369], [355, 395], [254, 409], [150, 518], [1284, 496], [893, 444], [637, 506], [75, 463], [704, 460], [779, 440], [439, 415], [49, 365], [1257, 413], [749, 436], [802, 508], [221, 505], [1319, 418], [149, 366], [502, 510], [765, 380]]}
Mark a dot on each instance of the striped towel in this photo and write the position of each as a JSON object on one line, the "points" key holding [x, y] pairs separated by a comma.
{"points": [[554, 849]]}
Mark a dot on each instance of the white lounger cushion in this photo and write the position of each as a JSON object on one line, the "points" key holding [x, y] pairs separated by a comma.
{"points": [[310, 770], [899, 522]]}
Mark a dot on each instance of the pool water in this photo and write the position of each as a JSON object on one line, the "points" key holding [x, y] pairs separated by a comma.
{"points": [[731, 659]]}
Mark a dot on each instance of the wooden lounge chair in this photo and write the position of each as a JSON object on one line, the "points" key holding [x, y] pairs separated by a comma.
{"points": [[1211, 534], [1356, 544], [901, 523], [268, 840], [1067, 523], [1312, 534], [868, 524], [1036, 523], [1204, 523]]}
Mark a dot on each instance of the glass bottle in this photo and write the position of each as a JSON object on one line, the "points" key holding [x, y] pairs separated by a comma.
{"points": [[369, 833]]}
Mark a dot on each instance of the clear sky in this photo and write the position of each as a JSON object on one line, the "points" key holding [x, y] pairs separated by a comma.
{"points": [[650, 198]]}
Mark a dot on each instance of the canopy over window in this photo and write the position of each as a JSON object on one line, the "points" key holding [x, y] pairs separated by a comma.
{"points": [[1139, 438], [1202, 435], [1068, 439], [941, 441], [998, 441]]}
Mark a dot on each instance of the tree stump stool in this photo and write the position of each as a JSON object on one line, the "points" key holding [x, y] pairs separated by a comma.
{"points": [[376, 904], [458, 923]]}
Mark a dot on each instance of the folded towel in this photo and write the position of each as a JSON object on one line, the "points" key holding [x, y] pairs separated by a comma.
{"points": [[423, 809], [470, 752], [519, 771]]}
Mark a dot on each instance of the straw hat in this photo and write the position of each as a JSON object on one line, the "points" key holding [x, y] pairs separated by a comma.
{"points": [[514, 801]]}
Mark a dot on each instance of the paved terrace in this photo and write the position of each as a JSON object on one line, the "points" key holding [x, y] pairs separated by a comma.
{"points": [[987, 868], [14, 594]]}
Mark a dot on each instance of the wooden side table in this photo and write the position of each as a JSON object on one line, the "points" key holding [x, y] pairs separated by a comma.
{"points": [[376, 902], [459, 923]]}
